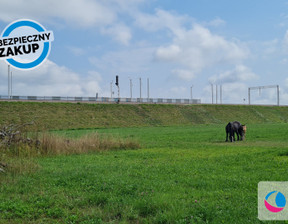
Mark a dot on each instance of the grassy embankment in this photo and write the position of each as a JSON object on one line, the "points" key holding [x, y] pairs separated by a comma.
{"points": [[184, 172], [75, 116]]}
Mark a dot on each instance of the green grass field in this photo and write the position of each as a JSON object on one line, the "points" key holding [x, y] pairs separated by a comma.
{"points": [[181, 174]]}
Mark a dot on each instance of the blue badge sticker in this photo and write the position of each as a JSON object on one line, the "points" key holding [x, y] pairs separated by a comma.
{"points": [[25, 44]]}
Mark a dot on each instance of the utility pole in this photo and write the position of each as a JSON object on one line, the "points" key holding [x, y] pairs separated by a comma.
{"points": [[259, 88], [278, 95], [148, 88], [249, 95], [111, 89], [131, 88], [191, 92], [220, 94], [140, 88], [216, 94], [9, 81], [11, 93], [212, 90]]}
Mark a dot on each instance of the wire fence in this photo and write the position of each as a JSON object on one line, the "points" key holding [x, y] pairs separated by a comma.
{"points": [[100, 99]]}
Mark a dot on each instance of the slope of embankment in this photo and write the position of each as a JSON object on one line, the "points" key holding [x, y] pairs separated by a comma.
{"points": [[75, 115]]}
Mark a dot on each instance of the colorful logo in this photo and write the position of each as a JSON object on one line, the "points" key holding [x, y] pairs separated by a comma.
{"points": [[275, 201], [25, 44]]}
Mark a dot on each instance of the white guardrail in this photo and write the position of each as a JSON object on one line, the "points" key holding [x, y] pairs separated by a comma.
{"points": [[101, 99]]}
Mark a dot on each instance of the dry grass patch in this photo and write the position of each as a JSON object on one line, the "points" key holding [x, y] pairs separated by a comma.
{"points": [[52, 144]]}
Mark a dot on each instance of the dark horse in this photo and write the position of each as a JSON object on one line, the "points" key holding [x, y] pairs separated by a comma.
{"points": [[235, 127]]}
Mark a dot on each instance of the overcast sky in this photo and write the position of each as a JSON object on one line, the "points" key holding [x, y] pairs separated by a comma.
{"points": [[176, 44]]}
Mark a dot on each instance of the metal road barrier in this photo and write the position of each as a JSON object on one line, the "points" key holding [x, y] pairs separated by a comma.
{"points": [[100, 99]]}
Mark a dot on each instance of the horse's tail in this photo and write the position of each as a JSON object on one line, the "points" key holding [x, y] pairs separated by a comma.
{"points": [[228, 130]]}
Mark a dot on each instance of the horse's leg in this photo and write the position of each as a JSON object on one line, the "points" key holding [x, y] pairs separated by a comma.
{"points": [[237, 134], [231, 136]]}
